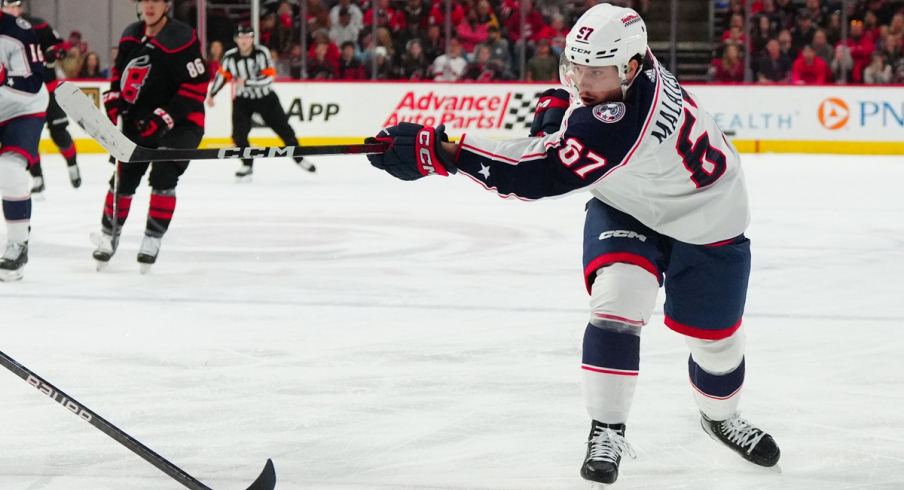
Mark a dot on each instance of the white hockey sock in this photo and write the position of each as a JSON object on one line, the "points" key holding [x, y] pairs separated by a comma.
{"points": [[16, 193]]}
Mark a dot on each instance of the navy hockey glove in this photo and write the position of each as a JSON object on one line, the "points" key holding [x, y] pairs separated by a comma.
{"points": [[550, 111], [415, 151], [114, 105], [153, 127]]}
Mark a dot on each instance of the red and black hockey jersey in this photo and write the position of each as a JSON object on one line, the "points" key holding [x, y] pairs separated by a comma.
{"points": [[50, 42], [165, 71]]}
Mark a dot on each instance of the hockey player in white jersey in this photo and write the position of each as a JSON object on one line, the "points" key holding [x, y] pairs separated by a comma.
{"points": [[669, 207], [23, 103]]}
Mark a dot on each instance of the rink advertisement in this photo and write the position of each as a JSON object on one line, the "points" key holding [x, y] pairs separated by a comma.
{"points": [[786, 119]]}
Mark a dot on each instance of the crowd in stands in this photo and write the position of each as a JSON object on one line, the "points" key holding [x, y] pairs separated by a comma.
{"points": [[77, 61], [805, 42], [487, 39]]}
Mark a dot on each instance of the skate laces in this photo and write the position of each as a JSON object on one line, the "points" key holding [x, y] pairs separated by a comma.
{"points": [[741, 432], [13, 249], [103, 241], [608, 445], [150, 245]]}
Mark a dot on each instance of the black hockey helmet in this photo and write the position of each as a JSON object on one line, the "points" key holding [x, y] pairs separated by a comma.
{"points": [[244, 30]]}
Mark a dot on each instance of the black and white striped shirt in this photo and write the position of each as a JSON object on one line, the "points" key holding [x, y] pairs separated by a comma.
{"points": [[256, 69]]}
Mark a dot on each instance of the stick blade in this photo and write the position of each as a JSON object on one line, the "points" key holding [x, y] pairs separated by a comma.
{"points": [[267, 478], [80, 108]]}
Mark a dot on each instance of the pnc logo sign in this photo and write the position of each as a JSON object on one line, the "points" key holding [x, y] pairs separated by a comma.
{"points": [[834, 113]]}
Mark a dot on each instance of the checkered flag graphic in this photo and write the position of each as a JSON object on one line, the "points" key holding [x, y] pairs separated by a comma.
{"points": [[521, 110]]}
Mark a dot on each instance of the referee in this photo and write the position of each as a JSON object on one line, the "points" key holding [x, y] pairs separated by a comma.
{"points": [[251, 68]]}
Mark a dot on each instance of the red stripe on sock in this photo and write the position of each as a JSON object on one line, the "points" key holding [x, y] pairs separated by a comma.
{"points": [[163, 203], [68, 152]]}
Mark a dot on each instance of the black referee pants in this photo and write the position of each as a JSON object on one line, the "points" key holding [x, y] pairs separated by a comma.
{"points": [[271, 112]]}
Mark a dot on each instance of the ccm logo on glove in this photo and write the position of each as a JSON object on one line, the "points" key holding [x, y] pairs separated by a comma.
{"points": [[426, 157]]}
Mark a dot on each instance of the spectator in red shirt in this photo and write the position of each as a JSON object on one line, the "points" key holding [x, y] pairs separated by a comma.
{"points": [[735, 35], [214, 56], [556, 32], [861, 50], [533, 24], [737, 21], [471, 32], [386, 17], [871, 29], [809, 69], [438, 13], [350, 68], [729, 68], [322, 37], [321, 67]]}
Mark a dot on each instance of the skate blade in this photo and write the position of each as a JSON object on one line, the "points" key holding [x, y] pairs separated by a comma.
{"points": [[145, 269], [101, 265], [11, 276], [599, 486], [39, 196], [243, 180]]}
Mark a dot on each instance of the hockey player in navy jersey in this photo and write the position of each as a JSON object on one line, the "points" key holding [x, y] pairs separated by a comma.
{"points": [[159, 82], [23, 104], [51, 46], [669, 207]]}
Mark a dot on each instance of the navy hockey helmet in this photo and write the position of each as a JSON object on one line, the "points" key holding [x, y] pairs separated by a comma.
{"points": [[244, 30]]}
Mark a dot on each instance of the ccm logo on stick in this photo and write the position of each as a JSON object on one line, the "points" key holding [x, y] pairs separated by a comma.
{"points": [[425, 147], [57, 397], [622, 234], [270, 152]]}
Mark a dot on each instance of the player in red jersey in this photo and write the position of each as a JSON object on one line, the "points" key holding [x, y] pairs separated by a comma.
{"points": [[158, 89]]}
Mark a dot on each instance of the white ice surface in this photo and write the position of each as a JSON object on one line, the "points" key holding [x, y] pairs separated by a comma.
{"points": [[367, 333]]}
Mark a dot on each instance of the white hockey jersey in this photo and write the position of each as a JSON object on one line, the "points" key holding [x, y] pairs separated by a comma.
{"points": [[22, 93], [657, 156]]}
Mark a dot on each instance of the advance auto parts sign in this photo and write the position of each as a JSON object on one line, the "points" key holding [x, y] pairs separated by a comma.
{"points": [[457, 110]]}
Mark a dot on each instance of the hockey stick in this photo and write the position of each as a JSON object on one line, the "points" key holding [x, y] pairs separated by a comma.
{"points": [[80, 108], [266, 480]]}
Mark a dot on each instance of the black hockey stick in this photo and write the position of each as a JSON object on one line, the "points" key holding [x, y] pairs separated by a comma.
{"points": [[80, 108], [266, 480]]}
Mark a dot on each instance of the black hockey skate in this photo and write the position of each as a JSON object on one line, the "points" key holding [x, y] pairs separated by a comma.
{"points": [[75, 177], [147, 254], [742, 437], [244, 173], [606, 445], [106, 247], [306, 165], [13, 261]]}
